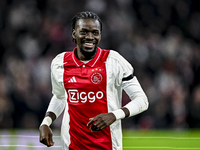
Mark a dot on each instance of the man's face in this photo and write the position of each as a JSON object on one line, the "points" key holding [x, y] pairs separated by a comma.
{"points": [[88, 35]]}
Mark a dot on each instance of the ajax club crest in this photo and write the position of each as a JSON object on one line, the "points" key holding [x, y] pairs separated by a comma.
{"points": [[96, 78]]}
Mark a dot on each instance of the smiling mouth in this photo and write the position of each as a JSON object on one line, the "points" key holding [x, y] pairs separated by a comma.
{"points": [[89, 45]]}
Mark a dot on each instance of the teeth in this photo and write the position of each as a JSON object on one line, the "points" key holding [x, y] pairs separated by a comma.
{"points": [[89, 43]]}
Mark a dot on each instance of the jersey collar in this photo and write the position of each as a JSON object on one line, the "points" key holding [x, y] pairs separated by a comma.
{"points": [[91, 63]]}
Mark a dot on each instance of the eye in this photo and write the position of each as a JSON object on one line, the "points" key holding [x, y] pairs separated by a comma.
{"points": [[83, 32], [96, 33]]}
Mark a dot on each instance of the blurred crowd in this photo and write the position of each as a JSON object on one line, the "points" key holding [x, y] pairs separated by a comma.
{"points": [[160, 38]]}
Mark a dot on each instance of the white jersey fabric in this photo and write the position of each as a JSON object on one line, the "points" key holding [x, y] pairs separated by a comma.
{"points": [[119, 77]]}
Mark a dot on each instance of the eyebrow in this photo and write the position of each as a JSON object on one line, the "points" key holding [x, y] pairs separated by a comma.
{"points": [[88, 30]]}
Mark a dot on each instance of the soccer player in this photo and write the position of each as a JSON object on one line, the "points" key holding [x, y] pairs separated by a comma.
{"points": [[88, 84]]}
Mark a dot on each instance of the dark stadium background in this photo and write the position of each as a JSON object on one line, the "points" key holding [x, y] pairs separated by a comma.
{"points": [[160, 38]]}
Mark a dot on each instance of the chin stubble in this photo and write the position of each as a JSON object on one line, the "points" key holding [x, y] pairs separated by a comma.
{"points": [[88, 55]]}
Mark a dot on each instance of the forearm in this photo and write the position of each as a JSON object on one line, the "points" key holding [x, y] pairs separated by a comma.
{"points": [[137, 105], [139, 101], [55, 108]]}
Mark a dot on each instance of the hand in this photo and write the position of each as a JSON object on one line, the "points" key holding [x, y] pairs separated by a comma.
{"points": [[101, 121], [46, 136]]}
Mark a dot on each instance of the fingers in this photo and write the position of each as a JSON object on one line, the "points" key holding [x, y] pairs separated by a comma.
{"points": [[47, 141], [46, 136], [51, 143], [96, 124], [102, 125], [94, 128], [90, 122], [101, 121]]}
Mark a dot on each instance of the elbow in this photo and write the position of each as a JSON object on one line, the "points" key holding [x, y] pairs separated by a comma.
{"points": [[146, 103]]}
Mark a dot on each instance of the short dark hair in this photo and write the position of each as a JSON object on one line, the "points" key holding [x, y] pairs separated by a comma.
{"points": [[85, 15]]}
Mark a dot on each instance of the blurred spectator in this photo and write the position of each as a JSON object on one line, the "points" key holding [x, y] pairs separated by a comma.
{"points": [[6, 105], [161, 39], [194, 109]]}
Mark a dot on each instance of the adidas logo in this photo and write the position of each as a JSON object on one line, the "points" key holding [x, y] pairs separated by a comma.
{"points": [[72, 80]]}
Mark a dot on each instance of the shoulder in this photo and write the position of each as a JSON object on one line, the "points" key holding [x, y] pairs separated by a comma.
{"points": [[115, 56], [57, 62], [58, 58], [118, 61]]}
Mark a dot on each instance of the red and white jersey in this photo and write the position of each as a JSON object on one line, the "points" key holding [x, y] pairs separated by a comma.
{"points": [[89, 89]]}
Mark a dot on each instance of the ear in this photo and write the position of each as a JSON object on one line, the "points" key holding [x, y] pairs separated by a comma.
{"points": [[73, 34]]}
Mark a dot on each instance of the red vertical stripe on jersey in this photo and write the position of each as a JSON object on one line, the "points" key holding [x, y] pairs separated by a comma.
{"points": [[86, 99]]}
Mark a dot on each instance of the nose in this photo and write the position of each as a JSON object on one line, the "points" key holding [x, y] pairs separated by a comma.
{"points": [[89, 35]]}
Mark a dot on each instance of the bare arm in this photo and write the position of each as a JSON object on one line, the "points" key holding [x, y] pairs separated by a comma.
{"points": [[55, 108], [46, 132]]}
